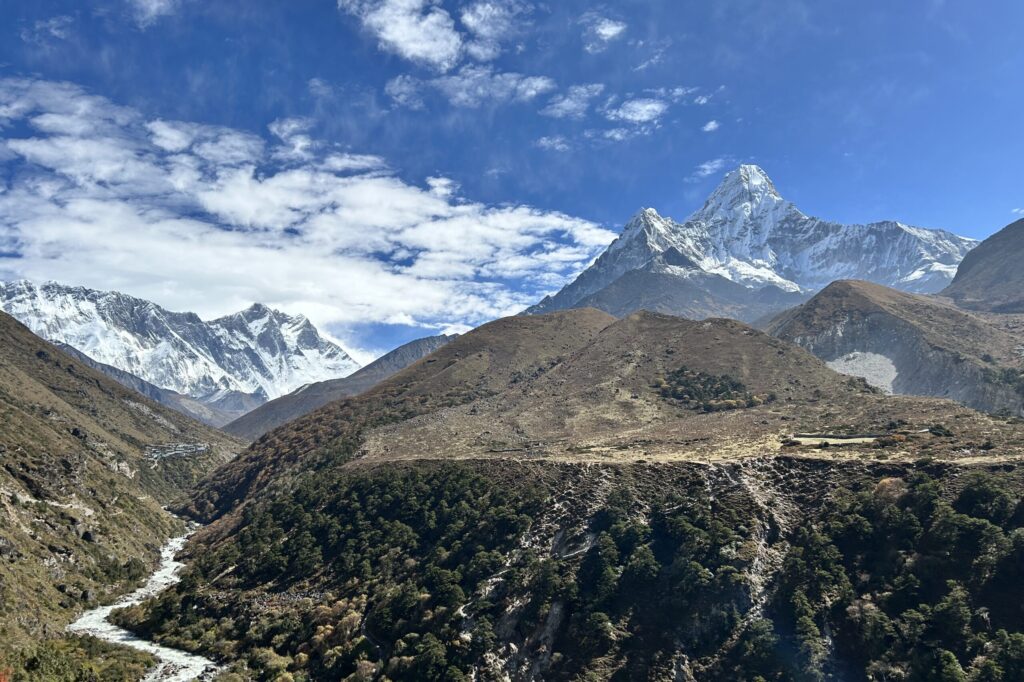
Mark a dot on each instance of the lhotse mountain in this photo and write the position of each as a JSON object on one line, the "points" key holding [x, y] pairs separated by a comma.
{"points": [[747, 234], [234, 363]]}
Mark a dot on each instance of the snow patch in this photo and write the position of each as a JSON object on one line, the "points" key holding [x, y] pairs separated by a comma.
{"points": [[875, 368]]}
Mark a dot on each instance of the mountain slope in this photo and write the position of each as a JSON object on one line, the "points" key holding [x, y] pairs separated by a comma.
{"points": [[547, 385], [308, 398], [909, 344], [85, 465], [637, 505], [600, 400], [687, 291], [747, 233], [190, 407], [990, 278], [480, 363], [234, 363]]}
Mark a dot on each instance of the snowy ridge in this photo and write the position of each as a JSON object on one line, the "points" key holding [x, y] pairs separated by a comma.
{"points": [[255, 355], [747, 233]]}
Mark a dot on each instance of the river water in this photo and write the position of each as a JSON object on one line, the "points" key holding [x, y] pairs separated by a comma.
{"points": [[174, 665]]}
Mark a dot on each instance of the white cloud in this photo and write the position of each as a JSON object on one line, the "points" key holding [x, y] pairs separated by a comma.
{"points": [[106, 197], [442, 187], [554, 143], [702, 99], [574, 103], [711, 126], [657, 52], [318, 87], [471, 86], [599, 31], [417, 30], [1018, 211], [617, 134], [146, 12], [674, 94], [642, 110]]}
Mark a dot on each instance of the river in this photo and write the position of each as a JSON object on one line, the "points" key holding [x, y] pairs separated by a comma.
{"points": [[174, 665]]}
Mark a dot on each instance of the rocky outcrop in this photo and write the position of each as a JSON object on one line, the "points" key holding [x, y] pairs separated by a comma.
{"points": [[906, 344]]}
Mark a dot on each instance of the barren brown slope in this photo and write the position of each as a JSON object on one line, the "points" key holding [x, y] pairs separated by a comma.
{"points": [[602, 403], [935, 348], [617, 418], [480, 363], [991, 277], [79, 494], [282, 410]]}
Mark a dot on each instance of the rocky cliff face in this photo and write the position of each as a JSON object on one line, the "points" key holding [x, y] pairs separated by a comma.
{"points": [[188, 406]]}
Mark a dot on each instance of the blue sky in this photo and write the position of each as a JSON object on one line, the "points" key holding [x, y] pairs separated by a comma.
{"points": [[400, 166]]}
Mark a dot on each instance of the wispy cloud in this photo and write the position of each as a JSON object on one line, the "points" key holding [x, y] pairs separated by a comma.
{"points": [[1018, 211], [555, 143], [711, 126], [600, 31], [471, 86], [574, 103], [617, 134], [46, 30], [99, 195], [405, 91], [491, 24], [146, 12], [657, 53], [709, 168]]}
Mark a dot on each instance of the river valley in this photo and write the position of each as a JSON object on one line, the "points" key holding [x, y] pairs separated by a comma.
{"points": [[174, 665]]}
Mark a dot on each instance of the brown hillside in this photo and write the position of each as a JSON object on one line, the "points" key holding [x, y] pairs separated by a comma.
{"points": [[935, 348], [569, 385], [480, 363], [601, 402], [990, 277], [282, 410], [80, 488]]}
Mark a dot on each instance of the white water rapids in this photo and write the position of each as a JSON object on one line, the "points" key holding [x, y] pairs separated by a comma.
{"points": [[174, 665]]}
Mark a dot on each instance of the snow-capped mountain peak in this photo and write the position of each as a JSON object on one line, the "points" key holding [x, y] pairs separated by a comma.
{"points": [[748, 233], [746, 191], [247, 357]]}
